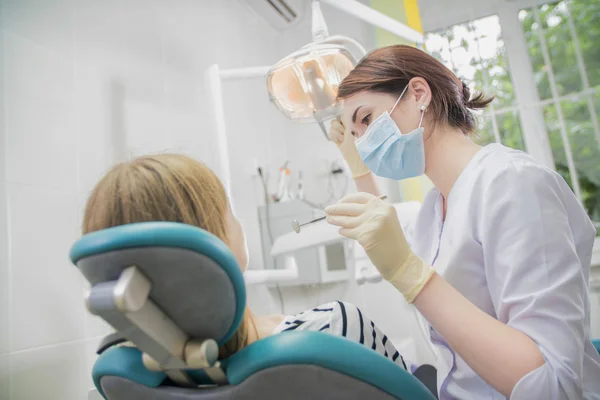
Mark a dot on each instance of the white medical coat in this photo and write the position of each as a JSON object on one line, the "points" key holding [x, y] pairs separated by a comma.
{"points": [[518, 245]]}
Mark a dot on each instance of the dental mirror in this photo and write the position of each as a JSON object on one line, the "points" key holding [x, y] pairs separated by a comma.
{"points": [[296, 225]]}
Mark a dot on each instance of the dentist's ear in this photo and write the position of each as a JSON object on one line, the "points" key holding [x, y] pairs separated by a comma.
{"points": [[420, 90]]}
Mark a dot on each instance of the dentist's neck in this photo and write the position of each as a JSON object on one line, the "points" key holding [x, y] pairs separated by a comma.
{"points": [[447, 153]]}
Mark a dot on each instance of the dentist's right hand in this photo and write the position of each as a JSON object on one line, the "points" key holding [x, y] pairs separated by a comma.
{"points": [[345, 143], [374, 224]]}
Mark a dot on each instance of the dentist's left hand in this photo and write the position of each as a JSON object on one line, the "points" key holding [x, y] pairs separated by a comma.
{"points": [[345, 144], [374, 224]]}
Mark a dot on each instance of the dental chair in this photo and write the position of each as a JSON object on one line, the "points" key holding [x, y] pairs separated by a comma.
{"points": [[176, 293]]}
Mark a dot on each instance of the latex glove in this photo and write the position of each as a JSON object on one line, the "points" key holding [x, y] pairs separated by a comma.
{"points": [[345, 143], [374, 224]]}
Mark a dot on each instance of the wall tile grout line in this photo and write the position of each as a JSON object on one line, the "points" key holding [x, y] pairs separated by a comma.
{"points": [[10, 286], [6, 205], [38, 46], [41, 187], [54, 345]]}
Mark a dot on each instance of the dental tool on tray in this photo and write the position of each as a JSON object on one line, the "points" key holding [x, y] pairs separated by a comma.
{"points": [[282, 191], [296, 225]]}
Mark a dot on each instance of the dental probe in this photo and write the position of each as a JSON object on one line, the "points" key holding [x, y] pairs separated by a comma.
{"points": [[296, 225]]}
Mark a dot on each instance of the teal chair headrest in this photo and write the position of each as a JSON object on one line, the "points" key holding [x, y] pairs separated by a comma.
{"points": [[195, 278], [596, 343]]}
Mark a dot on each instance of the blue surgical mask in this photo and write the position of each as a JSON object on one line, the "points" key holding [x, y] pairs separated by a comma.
{"points": [[389, 153]]}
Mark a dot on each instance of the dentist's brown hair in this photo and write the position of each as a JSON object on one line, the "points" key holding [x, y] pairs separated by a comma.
{"points": [[389, 69]]}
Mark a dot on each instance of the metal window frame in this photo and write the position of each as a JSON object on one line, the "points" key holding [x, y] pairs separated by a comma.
{"points": [[557, 104], [439, 15], [583, 73], [533, 128], [534, 105], [486, 82]]}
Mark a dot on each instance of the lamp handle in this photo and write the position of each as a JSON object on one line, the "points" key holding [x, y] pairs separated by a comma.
{"points": [[319, 27], [344, 40]]}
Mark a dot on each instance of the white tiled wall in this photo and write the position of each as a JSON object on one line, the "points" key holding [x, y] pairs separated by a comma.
{"points": [[41, 140], [46, 289], [4, 256], [4, 377], [86, 83], [57, 372]]}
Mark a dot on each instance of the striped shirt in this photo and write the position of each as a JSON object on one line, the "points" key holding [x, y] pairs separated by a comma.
{"points": [[343, 319]]}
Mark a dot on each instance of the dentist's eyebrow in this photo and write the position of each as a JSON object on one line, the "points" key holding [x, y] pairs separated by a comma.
{"points": [[354, 115]]}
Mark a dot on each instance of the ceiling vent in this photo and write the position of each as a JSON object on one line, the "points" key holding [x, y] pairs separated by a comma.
{"points": [[280, 14]]}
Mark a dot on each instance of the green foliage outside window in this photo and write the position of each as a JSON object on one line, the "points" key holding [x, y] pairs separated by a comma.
{"points": [[475, 52], [576, 108]]}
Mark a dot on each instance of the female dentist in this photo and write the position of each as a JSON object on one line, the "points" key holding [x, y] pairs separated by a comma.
{"points": [[499, 259]]}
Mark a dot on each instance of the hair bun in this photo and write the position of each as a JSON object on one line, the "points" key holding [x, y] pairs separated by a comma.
{"points": [[466, 93], [477, 101]]}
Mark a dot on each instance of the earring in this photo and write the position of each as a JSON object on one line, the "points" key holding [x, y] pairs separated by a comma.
{"points": [[423, 107]]}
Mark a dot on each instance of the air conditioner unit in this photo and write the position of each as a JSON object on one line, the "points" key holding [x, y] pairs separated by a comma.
{"points": [[280, 14]]}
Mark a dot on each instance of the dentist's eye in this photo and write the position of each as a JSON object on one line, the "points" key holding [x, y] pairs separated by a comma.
{"points": [[366, 119]]}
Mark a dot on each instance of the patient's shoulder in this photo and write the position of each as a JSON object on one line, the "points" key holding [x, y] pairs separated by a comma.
{"points": [[349, 321], [341, 318], [314, 319], [338, 317]]}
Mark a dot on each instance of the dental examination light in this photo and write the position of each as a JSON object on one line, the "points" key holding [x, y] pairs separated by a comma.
{"points": [[294, 83], [304, 84]]}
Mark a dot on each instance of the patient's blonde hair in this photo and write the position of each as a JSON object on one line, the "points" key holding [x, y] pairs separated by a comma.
{"points": [[166, 187]]}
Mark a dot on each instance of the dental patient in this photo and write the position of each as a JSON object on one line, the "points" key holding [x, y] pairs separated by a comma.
{"points": [[176, 188]]}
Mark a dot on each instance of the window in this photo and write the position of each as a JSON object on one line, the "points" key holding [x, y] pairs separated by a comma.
{"points": [[475, 52], [562, 41]]}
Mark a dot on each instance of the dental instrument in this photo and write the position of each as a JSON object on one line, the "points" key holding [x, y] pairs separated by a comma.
{"points": [[300, 193], [296, 225], [282, 191]]}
